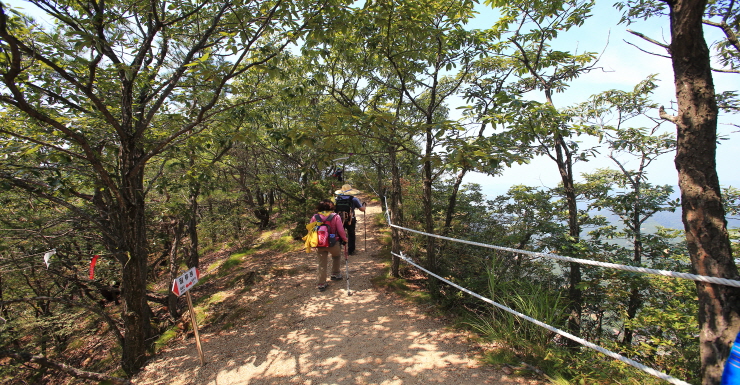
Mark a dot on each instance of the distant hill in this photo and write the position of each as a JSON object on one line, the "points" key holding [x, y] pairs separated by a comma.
{"points": [[671, 220]]}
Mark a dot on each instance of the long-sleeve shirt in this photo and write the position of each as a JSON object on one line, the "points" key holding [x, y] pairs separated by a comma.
{"points": [[335, 226]]}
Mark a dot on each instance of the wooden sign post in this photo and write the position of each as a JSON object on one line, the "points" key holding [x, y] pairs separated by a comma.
{"points": [[182, 284]]}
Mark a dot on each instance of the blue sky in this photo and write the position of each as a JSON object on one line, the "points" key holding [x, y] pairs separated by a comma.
{"points": [[626, 65]]}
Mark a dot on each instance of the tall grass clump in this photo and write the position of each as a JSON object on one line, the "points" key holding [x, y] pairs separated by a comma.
{"points": [[530, 298], [521, 342]]}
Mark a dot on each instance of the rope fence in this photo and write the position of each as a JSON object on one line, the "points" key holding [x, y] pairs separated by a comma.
{"points": [[651, 371], [565, 334], [635, 269]]}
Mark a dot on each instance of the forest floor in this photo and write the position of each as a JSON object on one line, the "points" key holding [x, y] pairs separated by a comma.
{"points": [[268, 324]]}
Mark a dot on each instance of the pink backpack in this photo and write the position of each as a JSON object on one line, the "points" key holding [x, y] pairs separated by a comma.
{"points": [[326, 238]]}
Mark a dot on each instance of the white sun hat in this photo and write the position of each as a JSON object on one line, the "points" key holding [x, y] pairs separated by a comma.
{"points": [[347, 190]]}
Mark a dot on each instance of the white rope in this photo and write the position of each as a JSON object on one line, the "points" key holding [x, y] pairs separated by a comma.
{"points": [[667, 273], [581, 341]]}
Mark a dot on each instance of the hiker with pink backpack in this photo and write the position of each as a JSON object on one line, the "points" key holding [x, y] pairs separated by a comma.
{"points": [[331, 236]]}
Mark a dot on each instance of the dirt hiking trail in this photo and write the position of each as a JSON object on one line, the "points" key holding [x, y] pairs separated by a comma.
{"points": [[287, 332]]}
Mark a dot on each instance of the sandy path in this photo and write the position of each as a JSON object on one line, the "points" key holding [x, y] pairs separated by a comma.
{"points": [[294, 334]]}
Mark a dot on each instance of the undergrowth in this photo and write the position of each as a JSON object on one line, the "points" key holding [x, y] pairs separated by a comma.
{"points": [[522, 346], [521, 343]]}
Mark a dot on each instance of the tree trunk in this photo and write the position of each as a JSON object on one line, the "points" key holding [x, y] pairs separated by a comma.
{"points": [[132, 254], [193, 260], [172, 299], [395, 211], [428, 217], [452, 202], [575, 295], [702, 212], [635, 301]]}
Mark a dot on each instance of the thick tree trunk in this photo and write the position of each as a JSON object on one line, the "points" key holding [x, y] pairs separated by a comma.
{"points": [[703, 215], [132, 254]]}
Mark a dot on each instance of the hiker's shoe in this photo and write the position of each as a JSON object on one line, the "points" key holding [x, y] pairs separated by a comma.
{"points": [[336, 277], [323, 287]]}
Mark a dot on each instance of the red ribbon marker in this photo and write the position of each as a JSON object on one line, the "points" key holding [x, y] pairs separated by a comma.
{"points": [[92, 266]]}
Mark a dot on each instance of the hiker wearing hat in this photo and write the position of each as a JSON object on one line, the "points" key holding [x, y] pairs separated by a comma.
{"points": [[345, 204]]}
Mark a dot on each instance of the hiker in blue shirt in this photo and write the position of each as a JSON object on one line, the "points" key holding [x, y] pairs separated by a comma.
{"points": [[345, 204]]}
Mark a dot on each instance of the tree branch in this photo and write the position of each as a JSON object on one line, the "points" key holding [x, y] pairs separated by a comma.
{"points": [[726, 71], [113, 327], [72, 371], [42, 143], [653, 41], [729, 33], [664, 115], [38, 190]]}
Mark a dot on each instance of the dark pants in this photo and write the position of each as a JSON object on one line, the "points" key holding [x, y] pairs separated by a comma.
{"points": [[350, 229]]}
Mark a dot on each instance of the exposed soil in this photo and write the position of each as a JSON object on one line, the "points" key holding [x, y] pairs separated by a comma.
{"points": [[282, 330]]}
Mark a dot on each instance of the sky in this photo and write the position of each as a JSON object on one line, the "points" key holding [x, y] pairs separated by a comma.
{"points": [[624, 66]]}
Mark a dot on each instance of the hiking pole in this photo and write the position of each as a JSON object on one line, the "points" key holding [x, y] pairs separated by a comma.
{"points": [[346, 265], [364, 224]]}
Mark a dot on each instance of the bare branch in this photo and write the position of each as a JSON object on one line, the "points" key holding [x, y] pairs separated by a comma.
{"points": [[726, 71], [664, 115], [667, 47]]}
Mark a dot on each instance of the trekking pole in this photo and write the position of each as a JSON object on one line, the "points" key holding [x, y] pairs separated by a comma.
{"points": [[364, 224], [346, 266]]}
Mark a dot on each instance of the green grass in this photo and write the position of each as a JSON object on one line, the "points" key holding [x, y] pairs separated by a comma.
{"points": [[212, 300], [561, 365], [165, 338], [399, 286], [230, 262], [109, 359], [201, 314], [522, 343], [283, 244], [228, 265], [500, 357], [387, 281], [524, 347], [202, 280], [76, 343]]}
